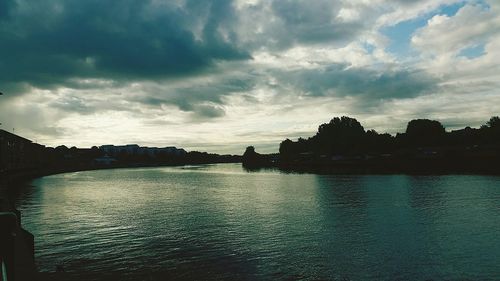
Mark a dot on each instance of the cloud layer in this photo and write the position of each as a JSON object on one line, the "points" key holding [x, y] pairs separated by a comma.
{"points": [[219, 75]]}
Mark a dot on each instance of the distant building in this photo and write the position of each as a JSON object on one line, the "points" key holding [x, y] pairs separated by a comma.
{"points": [[136, 150], [104, 160], [19, 153]]}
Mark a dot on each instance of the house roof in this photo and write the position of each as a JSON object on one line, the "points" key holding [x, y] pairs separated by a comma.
{"points": [[6, 134]]}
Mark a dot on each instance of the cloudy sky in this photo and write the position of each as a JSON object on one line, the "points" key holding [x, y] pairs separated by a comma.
{"points": [[218, 75]]}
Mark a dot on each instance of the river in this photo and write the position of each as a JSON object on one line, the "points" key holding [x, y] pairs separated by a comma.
{"points": [[220, 222]]}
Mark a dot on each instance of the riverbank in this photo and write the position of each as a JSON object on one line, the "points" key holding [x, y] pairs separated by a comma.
{"points": [[478, 160], [344, 146], [17, 248], [442, 166], [384, 167]]}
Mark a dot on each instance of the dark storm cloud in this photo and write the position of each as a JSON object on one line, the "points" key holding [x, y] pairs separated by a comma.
{"points": [[46, 43], [84, 104], [74, 104], [204, 99], [366, 85], [281, 24], [314, 21], [203, 112], [5, 8]]}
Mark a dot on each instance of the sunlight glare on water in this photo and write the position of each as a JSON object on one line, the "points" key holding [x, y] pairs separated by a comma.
{"points": [[220, 222]]}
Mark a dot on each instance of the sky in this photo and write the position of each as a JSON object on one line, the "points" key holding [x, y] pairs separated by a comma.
{"points": [[219, 75]]}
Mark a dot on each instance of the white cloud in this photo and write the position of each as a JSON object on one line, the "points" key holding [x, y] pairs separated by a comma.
{"points": [[308, 62], [402, 10], [443, 39], [445, 36]]}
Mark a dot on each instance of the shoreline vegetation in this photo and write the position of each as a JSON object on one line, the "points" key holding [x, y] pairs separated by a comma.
{"points": [[343, 146]]}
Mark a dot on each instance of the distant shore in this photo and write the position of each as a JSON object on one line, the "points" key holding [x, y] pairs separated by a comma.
{"points": [[22, 159], [393, 166], [344, 146]]}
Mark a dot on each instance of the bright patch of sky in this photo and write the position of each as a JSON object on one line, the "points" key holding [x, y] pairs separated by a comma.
{"points": [[368, 47], [473, 52], [400, 34]]}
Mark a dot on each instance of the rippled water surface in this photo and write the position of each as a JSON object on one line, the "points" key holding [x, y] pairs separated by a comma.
{"points": [[219, 222]]}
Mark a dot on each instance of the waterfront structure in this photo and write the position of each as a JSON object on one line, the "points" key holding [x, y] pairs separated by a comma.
{"points": [[104, 160], [18, 153], [136, 150]]}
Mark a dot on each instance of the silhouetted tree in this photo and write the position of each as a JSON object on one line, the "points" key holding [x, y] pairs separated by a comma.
{"points": [[424, 132], [424, 127], [425, 146], [375, 142], [285, 147], [340, 135], [253, 159], [249, 151], [494, 122], [467, 136], [95, 152], [289, 149], [492, 130]]}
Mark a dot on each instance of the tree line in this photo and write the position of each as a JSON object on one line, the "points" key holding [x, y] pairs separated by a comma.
{"points": [[346, 136], [344, 146]]}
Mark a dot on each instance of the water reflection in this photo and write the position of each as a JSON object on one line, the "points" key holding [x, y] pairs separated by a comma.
{"points": [[220, 222]]}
